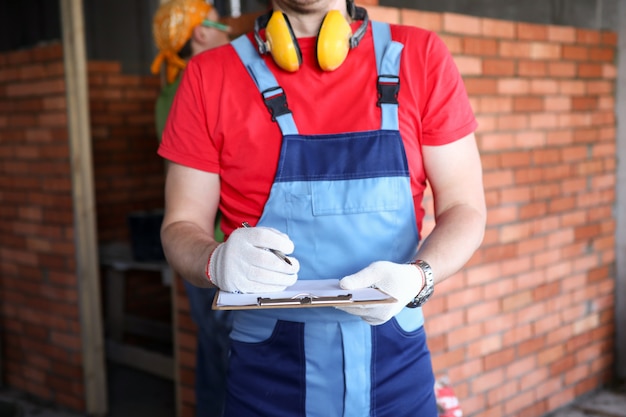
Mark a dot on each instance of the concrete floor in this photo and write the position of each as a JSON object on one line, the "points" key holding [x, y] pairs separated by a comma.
{"points": [[604, 403], [136, 394]]}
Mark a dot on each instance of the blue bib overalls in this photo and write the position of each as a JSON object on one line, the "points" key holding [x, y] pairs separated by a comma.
{"points": [[345, 200]]}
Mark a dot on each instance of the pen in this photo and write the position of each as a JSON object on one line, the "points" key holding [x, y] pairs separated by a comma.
{"points": [[276, 252]]}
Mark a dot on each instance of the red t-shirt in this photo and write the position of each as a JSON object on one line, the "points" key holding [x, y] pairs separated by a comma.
{"points": [[219, 122]]}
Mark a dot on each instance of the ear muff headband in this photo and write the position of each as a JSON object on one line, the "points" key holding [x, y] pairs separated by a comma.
{"points": [[334, 40]]}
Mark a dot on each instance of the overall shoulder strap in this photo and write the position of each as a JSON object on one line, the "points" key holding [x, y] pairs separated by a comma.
{"points": [[388, 55], [273, 95]]}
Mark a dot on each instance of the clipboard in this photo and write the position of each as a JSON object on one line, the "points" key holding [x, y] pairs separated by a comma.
{"points": [[303, 294]]}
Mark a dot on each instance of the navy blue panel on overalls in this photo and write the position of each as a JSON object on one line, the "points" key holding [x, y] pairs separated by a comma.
{"points": [[345, 200]]}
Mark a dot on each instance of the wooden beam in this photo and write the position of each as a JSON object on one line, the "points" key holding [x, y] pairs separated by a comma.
{"points": [[620, 230], [86, 241]]}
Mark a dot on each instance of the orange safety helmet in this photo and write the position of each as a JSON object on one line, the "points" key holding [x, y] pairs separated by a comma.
{"points": [[172, 27]]}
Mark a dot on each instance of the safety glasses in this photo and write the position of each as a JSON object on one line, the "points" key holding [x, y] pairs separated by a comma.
{"points": [[217, 25]]}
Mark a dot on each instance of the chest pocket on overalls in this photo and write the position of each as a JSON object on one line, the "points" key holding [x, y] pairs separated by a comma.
{"points": [[354, 196]]}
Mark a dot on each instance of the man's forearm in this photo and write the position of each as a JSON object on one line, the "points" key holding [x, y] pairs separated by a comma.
{"points": [[457, 234], [187, 248]]}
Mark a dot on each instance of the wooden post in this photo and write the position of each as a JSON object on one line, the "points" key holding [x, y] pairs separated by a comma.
{"points": [[620, 247], [87, 263]]}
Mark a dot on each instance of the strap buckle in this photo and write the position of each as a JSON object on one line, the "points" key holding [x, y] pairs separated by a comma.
{"points": [[276, 102], [388, 88]]}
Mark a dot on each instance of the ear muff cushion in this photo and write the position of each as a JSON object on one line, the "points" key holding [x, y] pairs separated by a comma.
{"points": [[333, 41], [282, 43]]}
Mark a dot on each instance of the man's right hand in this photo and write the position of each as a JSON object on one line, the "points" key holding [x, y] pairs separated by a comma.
{"points": [[244, 263]]}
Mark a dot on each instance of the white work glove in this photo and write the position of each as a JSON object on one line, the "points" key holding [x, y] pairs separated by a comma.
{"points": [[401, 281], [245, 263]]}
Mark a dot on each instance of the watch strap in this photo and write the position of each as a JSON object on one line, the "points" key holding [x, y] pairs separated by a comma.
{"points": [[429, 284]]}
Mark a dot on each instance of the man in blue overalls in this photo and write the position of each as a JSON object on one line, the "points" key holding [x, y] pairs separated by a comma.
{"points": [[329, 159]]}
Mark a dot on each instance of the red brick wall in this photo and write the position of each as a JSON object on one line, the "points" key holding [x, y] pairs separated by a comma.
{"points": [[41, 344], [39, 310], [527, 326], [129, 175]]}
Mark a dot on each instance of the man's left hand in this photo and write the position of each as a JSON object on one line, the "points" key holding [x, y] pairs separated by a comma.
{"points": [[401, 281]]}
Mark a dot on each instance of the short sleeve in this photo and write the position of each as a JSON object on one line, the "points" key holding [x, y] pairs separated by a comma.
{"points": [[446, 114], [186, 138]]}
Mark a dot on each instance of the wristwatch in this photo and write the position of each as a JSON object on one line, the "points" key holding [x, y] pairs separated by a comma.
{"points": [[429, 285]]}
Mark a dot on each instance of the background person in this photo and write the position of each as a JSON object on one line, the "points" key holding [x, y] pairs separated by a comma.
{"points": [[327, 151], [185, 28]]}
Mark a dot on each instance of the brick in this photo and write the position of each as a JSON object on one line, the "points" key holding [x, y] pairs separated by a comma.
{"points": [[561, 34], [599, 87], [586, 70], [542, 50], [487, 381], [485, 309], [501, 393], [461, 24], [484, 346], [491, 104], [587, 36], [529, 31], [533, 210], [492, 28], [608, 38], [515, 301], [481, 86], [36, 88], [447, 359], [544, 86], [603, 54], [609, 71], [514, 49], [515, 335], [454, 43], [519, 402], [480, 46], [465, 370], [532, 68], [69, 341], [460, 337], [546, 325], [513, 122], [558, 103], [446, 322], [561, 69], [528, 104], [539, 408], [564, 396], [426, 20], [544, 121], [496, 66], [575, 53], [106, 67], [469, 65]]}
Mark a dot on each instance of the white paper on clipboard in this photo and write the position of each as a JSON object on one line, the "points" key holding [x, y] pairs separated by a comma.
{"points": [[302, 288]]}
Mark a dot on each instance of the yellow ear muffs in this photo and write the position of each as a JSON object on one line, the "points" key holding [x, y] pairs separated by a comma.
{"points": [[282, 43], [333, 41]]}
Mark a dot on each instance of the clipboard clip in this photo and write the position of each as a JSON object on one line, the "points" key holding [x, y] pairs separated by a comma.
{"points": [[304, 299]]}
